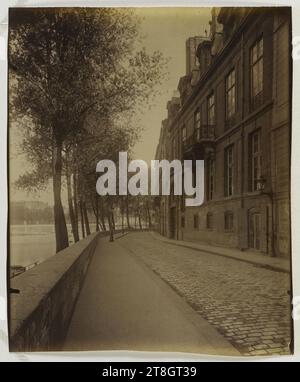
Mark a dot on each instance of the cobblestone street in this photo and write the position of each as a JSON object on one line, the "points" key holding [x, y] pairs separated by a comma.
{"points": [[247, 304]]}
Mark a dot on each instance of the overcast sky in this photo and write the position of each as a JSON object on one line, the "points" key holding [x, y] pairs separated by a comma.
{"points": [[164, 29]]}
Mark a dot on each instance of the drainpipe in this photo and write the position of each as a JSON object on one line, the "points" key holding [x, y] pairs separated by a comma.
{"points": [[270, 196], [242, 244]]}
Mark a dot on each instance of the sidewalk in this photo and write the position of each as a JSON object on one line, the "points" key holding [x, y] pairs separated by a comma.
{"points": [[123, 305], [273, 263]]}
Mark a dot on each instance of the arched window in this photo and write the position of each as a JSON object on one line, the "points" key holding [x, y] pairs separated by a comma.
{"points": [[254, 229]]}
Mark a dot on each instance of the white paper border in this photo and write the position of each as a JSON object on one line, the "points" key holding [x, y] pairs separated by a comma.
{"points": [[295, 185]]}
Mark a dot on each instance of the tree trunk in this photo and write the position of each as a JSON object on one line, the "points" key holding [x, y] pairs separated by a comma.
{"points": [[149, 216], [61, 232], [122, 212], [113, 220], [86, 219], [139, 216], [97, 213], [75, 202], [102, 218], [102, 223], [111, 230], [95, 208], [82, 219], [70, 203], [127, 213]]}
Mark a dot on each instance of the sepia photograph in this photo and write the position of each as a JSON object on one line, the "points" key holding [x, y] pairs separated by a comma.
{"points": [[149, 174]]}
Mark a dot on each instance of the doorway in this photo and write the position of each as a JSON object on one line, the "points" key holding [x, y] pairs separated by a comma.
{"points": [[255, 231]]}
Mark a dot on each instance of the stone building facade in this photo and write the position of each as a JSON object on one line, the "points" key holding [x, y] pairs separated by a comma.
{"points": [[234, 112]]}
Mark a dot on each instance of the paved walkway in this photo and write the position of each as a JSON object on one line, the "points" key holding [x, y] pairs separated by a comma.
{"points": [[124, 305], [246, 302], [273, 263]]}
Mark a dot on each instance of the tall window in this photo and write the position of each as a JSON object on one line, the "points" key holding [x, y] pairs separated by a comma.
{"points": [[196, 221], [230, 94], [229, 171], [211, 110], [209, 220], [228, 221], [182, 221], [255, 160], [197, 123], [256, 64], [210, 178], [183, 134]]}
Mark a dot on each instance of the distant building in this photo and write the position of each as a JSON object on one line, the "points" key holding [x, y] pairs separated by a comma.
{"points": [[30, 212], [234, 112]]}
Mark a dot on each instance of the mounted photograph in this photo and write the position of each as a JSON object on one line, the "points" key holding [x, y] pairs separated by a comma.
{"points": [[149, 174]]}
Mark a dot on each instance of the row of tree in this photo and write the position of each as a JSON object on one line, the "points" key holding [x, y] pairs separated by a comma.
{"points": [[76, 80]]}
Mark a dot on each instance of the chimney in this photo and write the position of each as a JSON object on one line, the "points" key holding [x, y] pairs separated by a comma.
{"points": [[216, 31], [191, 58]]}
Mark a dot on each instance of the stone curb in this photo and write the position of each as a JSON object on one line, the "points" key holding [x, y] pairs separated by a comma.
{"points": [[275, 268]]}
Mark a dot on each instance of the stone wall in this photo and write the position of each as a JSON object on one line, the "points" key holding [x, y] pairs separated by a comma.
{"points": [[40, 314]]}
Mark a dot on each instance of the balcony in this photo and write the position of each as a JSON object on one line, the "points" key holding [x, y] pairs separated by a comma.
{"points": [[199, 140]]}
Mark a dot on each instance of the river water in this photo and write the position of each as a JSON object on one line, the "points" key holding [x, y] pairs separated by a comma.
{"points": [[33, 243]]}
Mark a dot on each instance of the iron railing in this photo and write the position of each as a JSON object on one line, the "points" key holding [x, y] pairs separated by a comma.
{"points": [[206, 133]]}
